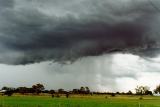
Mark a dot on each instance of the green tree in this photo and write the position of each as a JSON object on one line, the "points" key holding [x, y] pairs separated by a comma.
{"points": [[129, 92], [82, 90], [61, 91], [8, 91], [8, 88], [38, 88], [22, 90], [157, 90], [87, 90], [141, 90]]}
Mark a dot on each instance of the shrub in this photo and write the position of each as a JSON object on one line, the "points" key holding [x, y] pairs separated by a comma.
{"points": [[113, 95], [141, 98]]}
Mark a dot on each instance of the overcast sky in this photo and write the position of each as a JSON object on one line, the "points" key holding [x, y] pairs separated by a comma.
{"points": [[104, 44]]}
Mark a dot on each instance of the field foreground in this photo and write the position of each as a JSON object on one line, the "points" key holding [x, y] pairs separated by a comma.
{"points": [[79, 101]]}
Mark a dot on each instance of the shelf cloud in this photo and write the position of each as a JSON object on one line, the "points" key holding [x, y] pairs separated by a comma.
{"points": [[58, 30]]}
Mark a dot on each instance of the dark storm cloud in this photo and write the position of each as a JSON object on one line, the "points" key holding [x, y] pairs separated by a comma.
{"points": [[36, 30]]}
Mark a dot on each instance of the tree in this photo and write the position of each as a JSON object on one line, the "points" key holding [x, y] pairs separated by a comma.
{"points": [[75, 91], [8, 91], [157, 90], [61, 91], [141, 90], [148, 93], [87, 90], [82, 90], [52, 92], [22, 90], [38, 88], [8, 88], [129, 92]]}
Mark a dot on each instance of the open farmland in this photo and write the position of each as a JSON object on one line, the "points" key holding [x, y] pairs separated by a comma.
{"points": [[79, 101]]}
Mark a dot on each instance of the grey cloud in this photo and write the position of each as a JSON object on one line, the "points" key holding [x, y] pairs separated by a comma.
{"points": [[38, 30], [6, 4]]}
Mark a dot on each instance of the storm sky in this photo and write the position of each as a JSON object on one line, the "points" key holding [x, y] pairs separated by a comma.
{"points": [[71, 43]]}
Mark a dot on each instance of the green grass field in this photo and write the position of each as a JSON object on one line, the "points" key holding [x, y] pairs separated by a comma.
{"points": [[79, 101]]}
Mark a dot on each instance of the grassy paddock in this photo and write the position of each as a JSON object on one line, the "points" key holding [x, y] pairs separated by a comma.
{"points": [[79, 101]]}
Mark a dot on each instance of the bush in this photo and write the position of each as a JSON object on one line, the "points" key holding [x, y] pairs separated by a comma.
{"points": [[113, 95], [9, 93], [141, 98], [52, 95], [57, 95]]}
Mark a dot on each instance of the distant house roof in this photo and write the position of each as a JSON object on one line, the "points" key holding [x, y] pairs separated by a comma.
{"points": [[2, 91]]}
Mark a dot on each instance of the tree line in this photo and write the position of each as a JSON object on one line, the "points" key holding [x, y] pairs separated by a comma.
{"points": [[36, 89], [39, 88]]}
